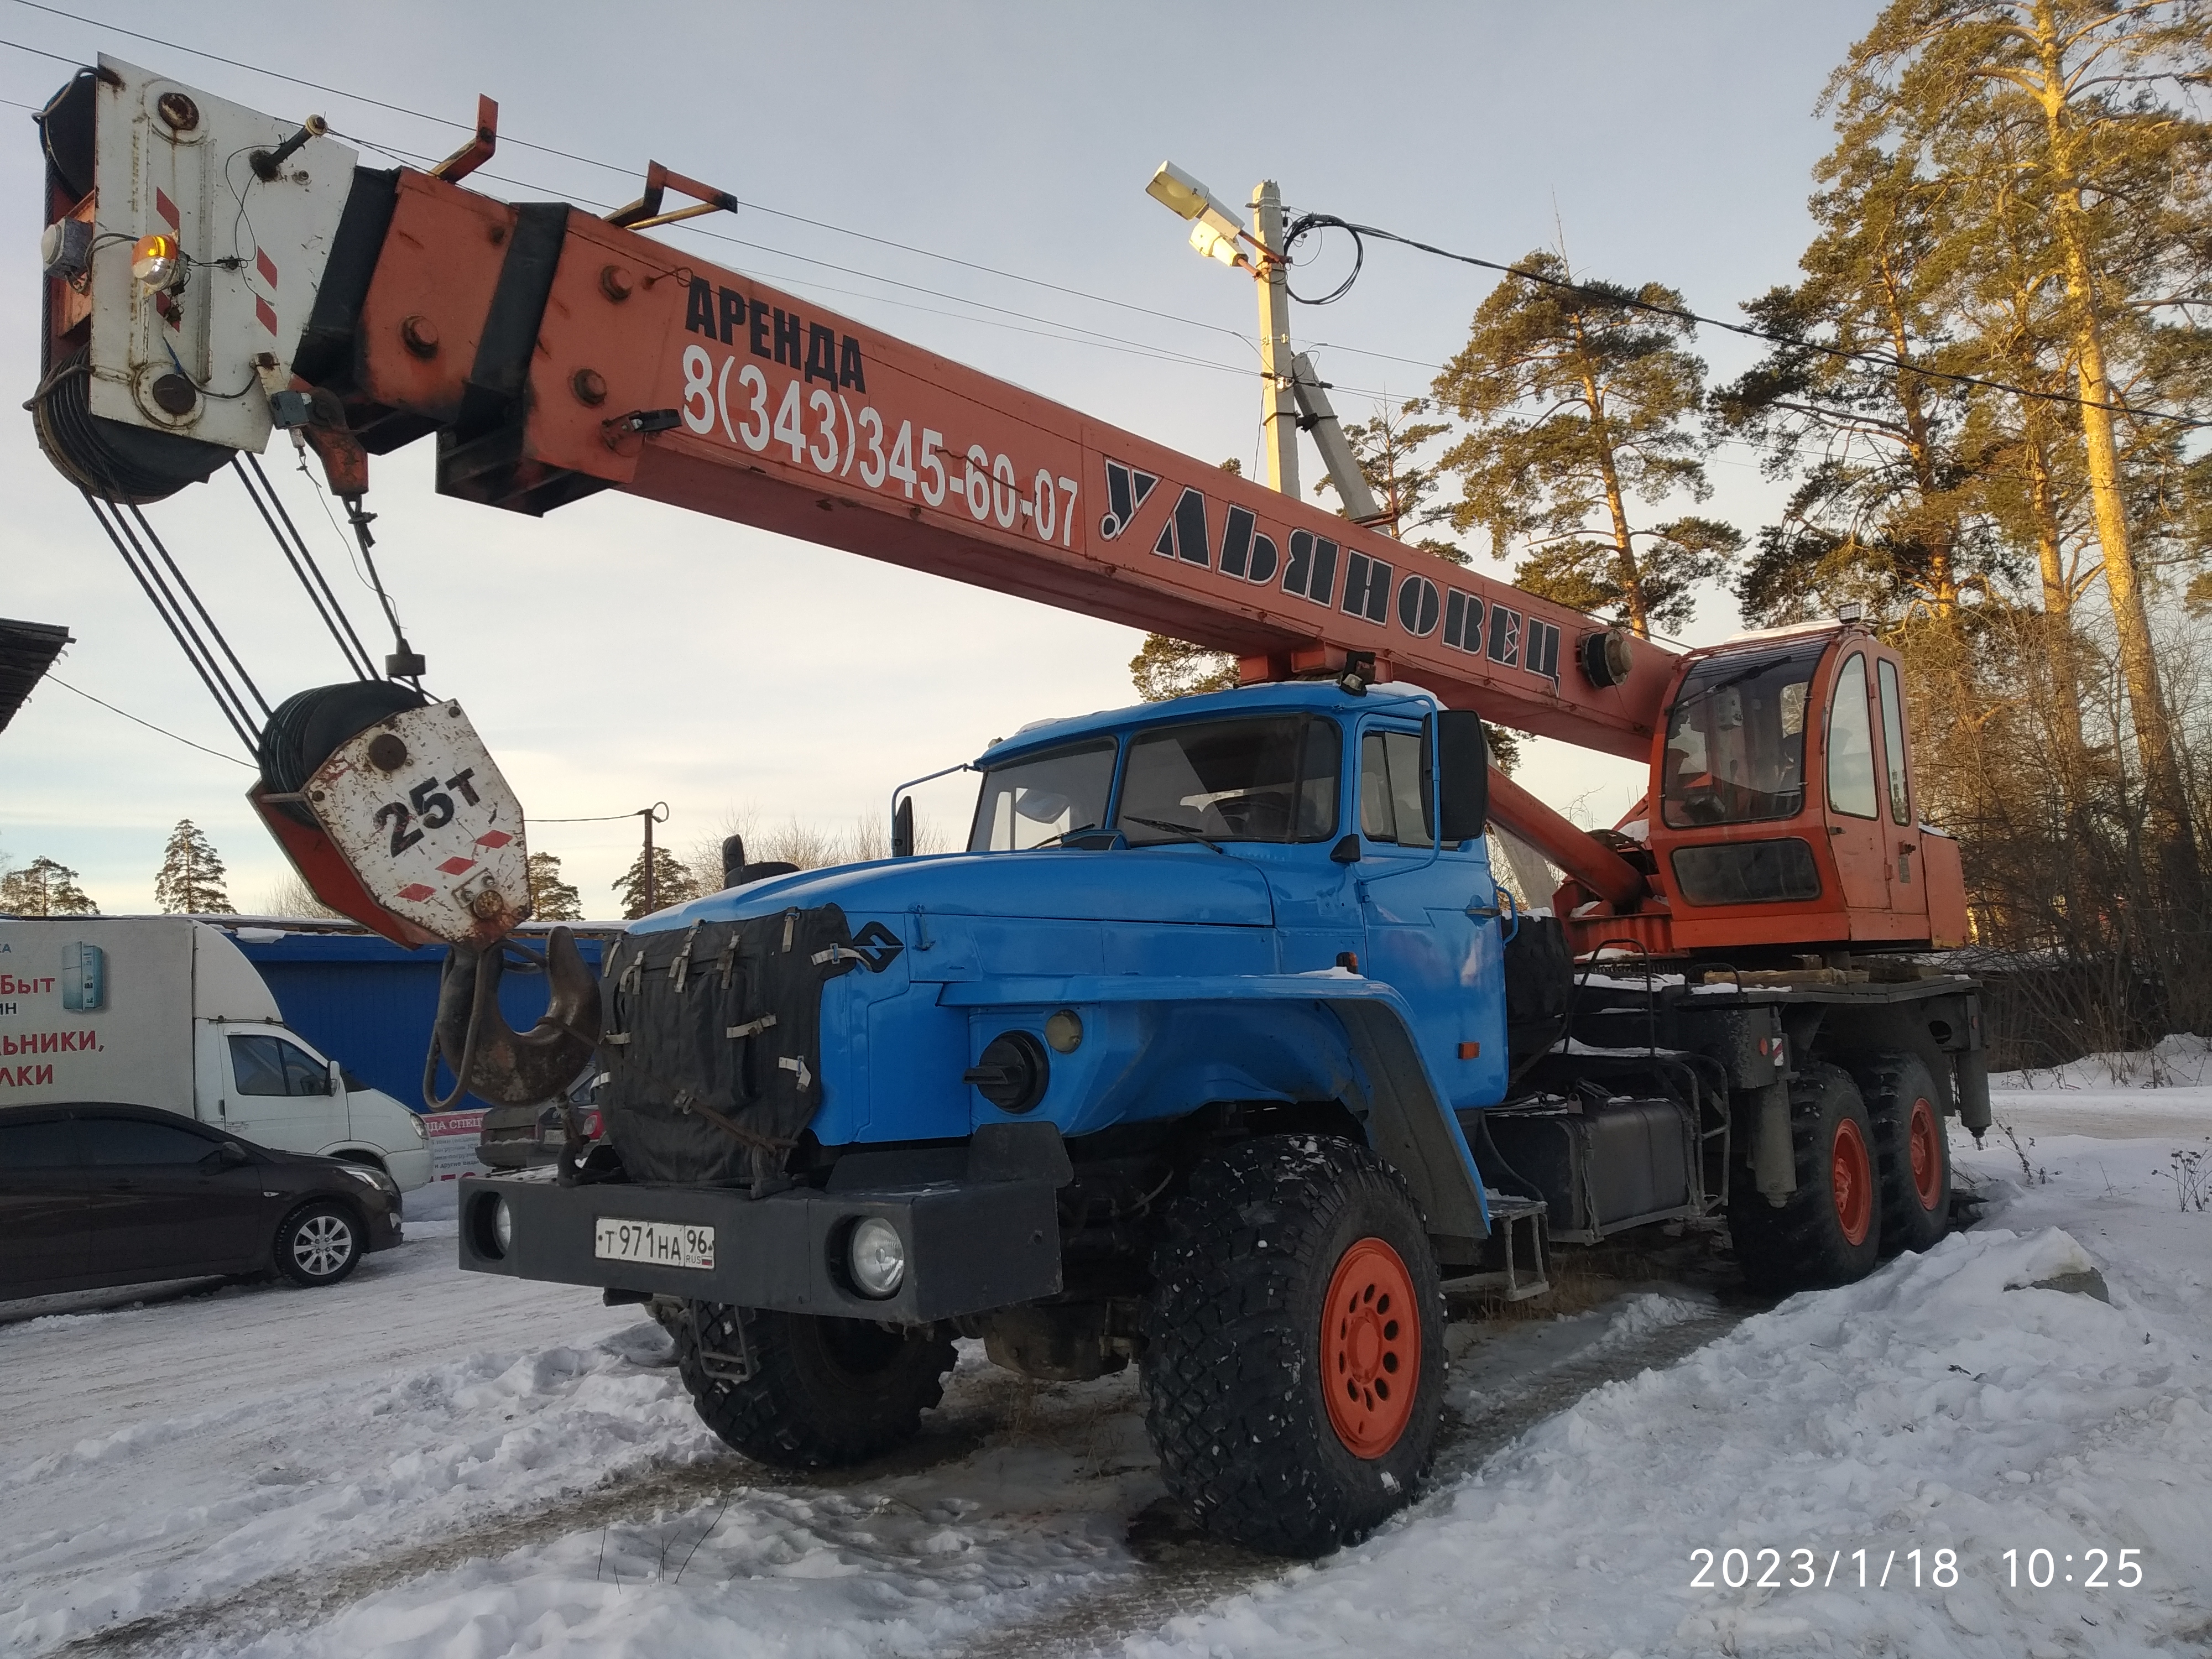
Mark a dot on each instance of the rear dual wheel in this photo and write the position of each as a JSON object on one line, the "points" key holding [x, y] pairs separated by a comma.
{"points": [[1294, 1355], [1829, 1230], [1912, 1153]]}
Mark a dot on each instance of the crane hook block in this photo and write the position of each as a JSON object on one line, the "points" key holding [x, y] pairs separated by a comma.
{"points": [[407, 825]]}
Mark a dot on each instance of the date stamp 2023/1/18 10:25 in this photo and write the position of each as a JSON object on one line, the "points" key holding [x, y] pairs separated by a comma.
{"points": [[1938, 1569]]}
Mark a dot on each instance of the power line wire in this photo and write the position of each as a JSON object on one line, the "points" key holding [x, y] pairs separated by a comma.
{"points": [[35, 52], [1306, 223], [631, 173], [57, 679]]}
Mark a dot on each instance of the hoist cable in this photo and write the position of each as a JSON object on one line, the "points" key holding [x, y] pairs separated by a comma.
{"points": [[165, 607], [303, 561], [208, 622]]}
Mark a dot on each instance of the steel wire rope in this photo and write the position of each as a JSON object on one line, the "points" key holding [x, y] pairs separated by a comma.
{"points": [[166, 606], [318, 588], [208, 622], [276, 500]]}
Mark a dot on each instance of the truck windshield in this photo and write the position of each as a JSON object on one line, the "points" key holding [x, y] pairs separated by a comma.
{"points": [[1268, 779], [1735, 738], [1040, 798]]}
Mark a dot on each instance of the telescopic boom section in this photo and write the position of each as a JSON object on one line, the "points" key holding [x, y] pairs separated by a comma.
{"points": [[570, 356]]}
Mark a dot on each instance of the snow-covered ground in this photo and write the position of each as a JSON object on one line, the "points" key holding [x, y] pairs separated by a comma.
{"points": [[423, 1463]]}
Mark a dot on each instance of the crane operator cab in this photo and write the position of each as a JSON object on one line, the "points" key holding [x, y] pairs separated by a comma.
{"points": [[1785, 790]]}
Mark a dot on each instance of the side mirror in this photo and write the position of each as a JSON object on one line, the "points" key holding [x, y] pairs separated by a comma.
{"points": [[1461, 767], [334, 1085], [229, 1155], [902, 829]]}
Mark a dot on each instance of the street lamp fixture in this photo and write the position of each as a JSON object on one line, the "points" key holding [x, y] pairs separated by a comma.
{"points": [[1215, 230]]}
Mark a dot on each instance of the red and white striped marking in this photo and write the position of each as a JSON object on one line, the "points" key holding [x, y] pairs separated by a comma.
{"points": [[263, 311]]}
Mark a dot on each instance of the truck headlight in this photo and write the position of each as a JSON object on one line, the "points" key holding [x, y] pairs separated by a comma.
{"points": [[490, 1225], [414, 1122], [876, 1256]]}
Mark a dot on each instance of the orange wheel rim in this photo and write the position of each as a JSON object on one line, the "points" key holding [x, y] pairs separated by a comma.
{"points": [[1370, 1348], [1851, 1181], [1927, 1150]]}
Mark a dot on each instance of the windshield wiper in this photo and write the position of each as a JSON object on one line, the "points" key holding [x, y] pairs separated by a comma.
{"points": [[1079, 829], [1187, 831]]}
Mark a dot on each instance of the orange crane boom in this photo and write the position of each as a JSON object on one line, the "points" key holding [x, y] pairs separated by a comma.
{"points": [[554, 354], [559, 355]]}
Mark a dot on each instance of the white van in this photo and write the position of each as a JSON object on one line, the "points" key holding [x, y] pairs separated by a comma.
{"points": [[166, 1011]]}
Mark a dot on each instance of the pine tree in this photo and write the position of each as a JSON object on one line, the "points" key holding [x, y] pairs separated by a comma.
{"points": [[189, 882], [1168, 668], [1615, 396], [2056, 104], [1879, 513], [44, 888], [1388, 447], [673, 884], [552, 899]]}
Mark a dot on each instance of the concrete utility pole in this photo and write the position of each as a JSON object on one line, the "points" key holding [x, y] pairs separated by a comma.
{"points": [[1278, 402], [656, 813]]}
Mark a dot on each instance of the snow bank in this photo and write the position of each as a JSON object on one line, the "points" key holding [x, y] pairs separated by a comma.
{"points": [[2179, 1062], [1941, 1405]]}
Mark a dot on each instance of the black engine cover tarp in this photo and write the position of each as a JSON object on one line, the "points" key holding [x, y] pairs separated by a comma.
{"points": [[670, 1003]]}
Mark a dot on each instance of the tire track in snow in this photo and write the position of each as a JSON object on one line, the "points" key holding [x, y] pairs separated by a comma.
{"points": [[1179, 1571], [305, 1596]]}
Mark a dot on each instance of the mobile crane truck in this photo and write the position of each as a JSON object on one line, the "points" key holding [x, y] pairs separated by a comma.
{"points": [[1217, 1048]]}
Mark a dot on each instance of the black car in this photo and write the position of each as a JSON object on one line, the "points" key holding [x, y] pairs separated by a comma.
{"points": [[96, 1195]]}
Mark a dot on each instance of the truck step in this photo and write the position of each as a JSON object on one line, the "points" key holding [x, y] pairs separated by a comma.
{"points": [[1517, 1258]]}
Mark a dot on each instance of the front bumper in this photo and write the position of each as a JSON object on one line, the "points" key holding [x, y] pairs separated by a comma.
{"points": [[408, 1166], [971, 1246]]}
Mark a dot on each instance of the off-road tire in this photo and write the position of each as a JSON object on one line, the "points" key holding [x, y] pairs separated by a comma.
{"points": [[1235, 1334], [319, 1243], [1912, 1150], [1806, 1244], [824, 1392]]}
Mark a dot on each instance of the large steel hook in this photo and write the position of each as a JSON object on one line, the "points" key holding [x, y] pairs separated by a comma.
{"points": [[493, 1062]]}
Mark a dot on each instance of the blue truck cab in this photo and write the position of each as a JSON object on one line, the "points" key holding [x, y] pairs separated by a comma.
{"points": [[1217, 1048]]}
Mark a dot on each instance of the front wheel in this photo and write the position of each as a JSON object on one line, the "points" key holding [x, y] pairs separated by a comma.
{"points": [[318, 1244], [1829, 1230], [1294, 1354], [822, 1393]]}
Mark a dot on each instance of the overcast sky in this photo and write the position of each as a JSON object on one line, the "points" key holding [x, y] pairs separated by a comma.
{"points": [[619, 653]]}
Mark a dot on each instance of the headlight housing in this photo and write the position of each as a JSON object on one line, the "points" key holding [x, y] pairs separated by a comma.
{"points": [[376, 1178], [414, 1122], [876, 1256]]}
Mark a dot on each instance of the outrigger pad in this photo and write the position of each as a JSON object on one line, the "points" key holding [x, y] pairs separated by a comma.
{"points": [[712, 1044]]}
